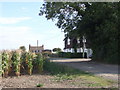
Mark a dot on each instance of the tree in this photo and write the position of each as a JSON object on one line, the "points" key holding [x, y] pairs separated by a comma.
{"points": [[101, 29], [56, 50], [22, 48], [98, 22]]}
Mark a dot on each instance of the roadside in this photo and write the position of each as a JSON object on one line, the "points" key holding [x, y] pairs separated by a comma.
{"points": [[31, 81], [104, 70], [57, 75]]}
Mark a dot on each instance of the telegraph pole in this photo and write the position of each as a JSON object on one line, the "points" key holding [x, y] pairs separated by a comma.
{"points": [[84, 40], [37, 43]]}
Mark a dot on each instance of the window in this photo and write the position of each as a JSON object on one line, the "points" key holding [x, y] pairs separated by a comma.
{"points": [[68, 41], [78, 40]]}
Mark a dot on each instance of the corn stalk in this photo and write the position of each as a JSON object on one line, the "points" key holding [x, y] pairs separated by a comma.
{"points": [[0, 63], [5, 65], [10, 62], [16, 62], [39, 62], [29, 60], [23, 60]]}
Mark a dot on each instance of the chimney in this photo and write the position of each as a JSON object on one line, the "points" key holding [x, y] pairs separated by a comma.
{"points": [[29, 47], [43, 47]]}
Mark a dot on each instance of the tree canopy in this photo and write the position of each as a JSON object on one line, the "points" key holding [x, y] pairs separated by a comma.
{"points": [[98, 22], [22, 48], [56, 50]]}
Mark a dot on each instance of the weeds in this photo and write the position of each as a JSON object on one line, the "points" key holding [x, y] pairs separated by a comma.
{"points": [[62, 73], [39, 85]]}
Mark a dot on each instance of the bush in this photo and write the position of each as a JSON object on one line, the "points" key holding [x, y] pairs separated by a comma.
{"points": [[71, 55]]}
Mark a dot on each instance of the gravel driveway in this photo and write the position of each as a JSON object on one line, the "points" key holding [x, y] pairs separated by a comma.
{"points": [[104, 70]]}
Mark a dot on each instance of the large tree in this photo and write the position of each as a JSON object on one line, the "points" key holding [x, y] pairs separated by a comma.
{"points": [[96, 21]]}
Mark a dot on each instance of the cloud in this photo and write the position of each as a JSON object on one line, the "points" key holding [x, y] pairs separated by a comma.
{"points": [[13, 29], [13, 20], [12, 37]]}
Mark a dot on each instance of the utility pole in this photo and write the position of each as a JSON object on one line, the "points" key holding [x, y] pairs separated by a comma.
{"points": [[37, 46], [37, 43], [84, 40]]}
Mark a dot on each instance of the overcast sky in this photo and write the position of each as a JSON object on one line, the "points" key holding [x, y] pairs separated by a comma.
{"points": [[20, 25]]}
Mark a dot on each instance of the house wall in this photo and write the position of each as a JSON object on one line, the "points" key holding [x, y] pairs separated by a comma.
{"points": [[69, 46], [36, 49]]}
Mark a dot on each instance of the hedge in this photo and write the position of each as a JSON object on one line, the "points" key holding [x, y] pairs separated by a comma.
{"points": [[71, 55]]}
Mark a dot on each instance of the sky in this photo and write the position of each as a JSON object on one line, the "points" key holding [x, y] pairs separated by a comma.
{"points": [[20, 25]]}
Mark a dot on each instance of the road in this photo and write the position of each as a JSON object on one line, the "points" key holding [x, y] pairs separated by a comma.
{"points": [[104, 70]]}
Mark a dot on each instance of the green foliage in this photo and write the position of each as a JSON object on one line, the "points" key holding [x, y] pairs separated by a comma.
{"points": [[56, 69], [101, 30], [63, 73], [39, 85], [20, 62], [56, 50], [98, 22], [39, 61], [16, 62], [22, 48], [5, 64], [64, 54], [0, 63], [30, 62], [23, 60], [71, 55]]}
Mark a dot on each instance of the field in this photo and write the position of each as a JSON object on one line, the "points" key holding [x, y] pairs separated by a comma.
{"points": [[57, 76], [46, 74]]}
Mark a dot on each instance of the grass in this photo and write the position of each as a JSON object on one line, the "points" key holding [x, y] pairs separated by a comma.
{"points": [[63, 73]]}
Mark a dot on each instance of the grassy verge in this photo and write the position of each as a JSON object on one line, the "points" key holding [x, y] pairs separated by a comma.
{"points": [[64, 73]]}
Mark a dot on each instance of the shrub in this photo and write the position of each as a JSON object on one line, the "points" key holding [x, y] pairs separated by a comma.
{"points": [[39, 85], [71, 55]]}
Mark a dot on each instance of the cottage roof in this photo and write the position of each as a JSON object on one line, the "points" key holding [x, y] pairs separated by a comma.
{"points": [[36, 47]]}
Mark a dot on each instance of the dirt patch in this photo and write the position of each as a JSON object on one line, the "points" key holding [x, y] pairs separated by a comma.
{"points": [[27, 81], [48, 81]]}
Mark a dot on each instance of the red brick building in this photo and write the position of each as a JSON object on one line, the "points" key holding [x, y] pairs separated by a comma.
{"points": [[78, 43]]}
